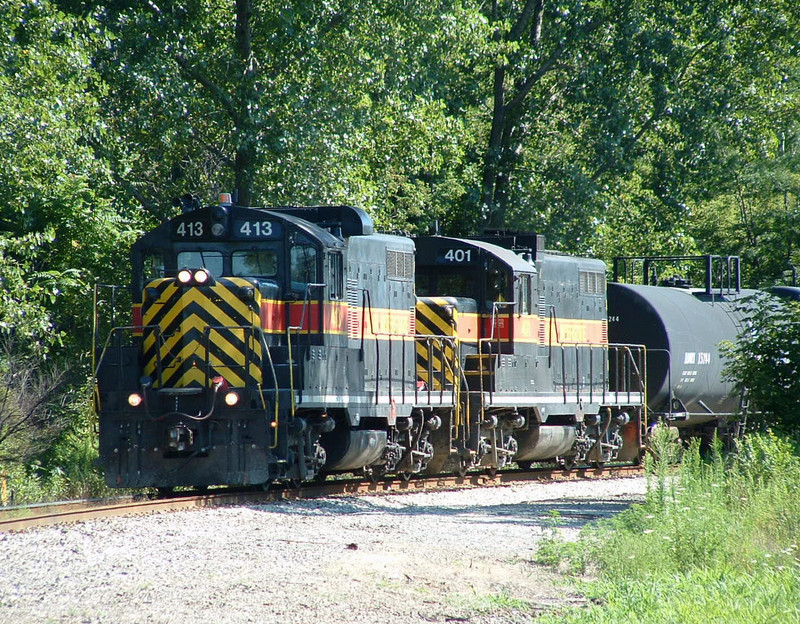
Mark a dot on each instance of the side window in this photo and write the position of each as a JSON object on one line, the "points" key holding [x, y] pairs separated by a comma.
{"points": [[496, 283], [209, 260], [524, 295], [337, 276], [153, 266], [303, 259], [254, 263]]}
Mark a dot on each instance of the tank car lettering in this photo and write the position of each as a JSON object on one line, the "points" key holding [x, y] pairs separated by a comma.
{"points": [[690, 357], [688, 376], [703, 358], [260, 229]]}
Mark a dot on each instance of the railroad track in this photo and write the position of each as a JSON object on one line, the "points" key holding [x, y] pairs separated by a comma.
{"points": [[22, 518]]}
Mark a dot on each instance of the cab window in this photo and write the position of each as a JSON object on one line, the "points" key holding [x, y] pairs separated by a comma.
{"points": [[211, 261], [303, 259], [496, 284], [255, 263], [153, 265], [445, 283]]}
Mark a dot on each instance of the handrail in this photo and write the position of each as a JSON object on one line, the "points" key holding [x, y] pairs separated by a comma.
{"points": [[452, 365], [495, 306], [630, 362], [553, 319], [297, 329], [265, 349], [116, 330], [245, 328]]}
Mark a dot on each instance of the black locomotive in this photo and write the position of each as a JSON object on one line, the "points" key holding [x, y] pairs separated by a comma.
{"points": [[288, 343]]}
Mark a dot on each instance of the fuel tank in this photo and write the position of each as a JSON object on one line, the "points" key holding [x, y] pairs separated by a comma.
{"points": [[682, 330]]}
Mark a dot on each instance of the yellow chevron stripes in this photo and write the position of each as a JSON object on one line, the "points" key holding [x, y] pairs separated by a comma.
{"points": [[431, 313], [437, 360], [203, 332]]}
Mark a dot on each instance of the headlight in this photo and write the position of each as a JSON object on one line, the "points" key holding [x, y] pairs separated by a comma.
{"points": [[134, 399], [231, 399], [184, 276], [201, 276]]}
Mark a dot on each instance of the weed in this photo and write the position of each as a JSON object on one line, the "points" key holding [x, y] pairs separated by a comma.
{"points": [[502, 600]]}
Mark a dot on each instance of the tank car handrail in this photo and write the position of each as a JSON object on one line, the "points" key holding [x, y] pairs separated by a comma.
{"points": [[729, 270], [671, 395]]}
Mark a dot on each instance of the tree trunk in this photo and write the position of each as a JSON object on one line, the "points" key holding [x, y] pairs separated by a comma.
{"points": [[246, 155]]}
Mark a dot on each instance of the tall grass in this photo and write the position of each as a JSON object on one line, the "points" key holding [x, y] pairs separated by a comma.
{"points": [[68, 470], [716, 540]]}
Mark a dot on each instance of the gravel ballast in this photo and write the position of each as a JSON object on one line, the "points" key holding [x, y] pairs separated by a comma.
{"points": [[412, 557]]}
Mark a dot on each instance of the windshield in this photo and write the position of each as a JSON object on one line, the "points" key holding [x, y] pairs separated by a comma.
{"points": [[255, 263], [446, 283], [153, 265], [211, 261]]}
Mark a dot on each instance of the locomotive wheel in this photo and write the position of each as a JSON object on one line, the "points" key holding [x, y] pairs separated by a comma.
{"points": [[461, 471], [492, 471]]}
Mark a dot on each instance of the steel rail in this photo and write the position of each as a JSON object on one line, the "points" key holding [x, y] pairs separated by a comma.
{"points": [[78, 511]]}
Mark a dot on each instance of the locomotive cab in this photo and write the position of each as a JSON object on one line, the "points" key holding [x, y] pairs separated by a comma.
{"points": [[531, 333], [221, 296], [498, 283]]}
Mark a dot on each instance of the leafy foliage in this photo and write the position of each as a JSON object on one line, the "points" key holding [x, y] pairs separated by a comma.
{"points": [[32, 402], [765, 361], [289, 103]]}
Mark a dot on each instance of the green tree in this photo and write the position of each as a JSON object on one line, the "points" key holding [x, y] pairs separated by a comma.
{"points": [[289, 102], [58, 225], [755, 212], [598, 106], [765, 361]]}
